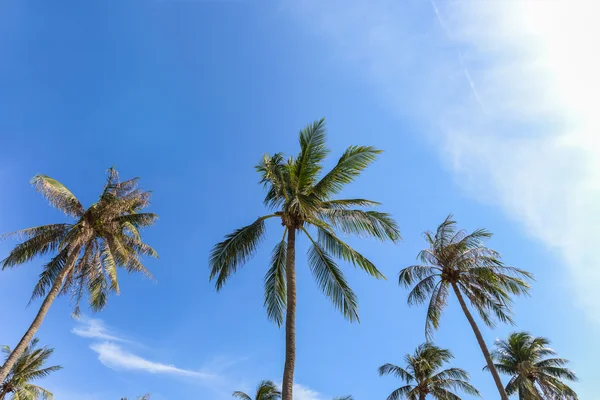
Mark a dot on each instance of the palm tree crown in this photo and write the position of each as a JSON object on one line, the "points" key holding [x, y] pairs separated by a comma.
{"points": [[533, 375], [301, 199], [266, 390], [103, 237], [455, 258], [29, 367], [423, 376]]}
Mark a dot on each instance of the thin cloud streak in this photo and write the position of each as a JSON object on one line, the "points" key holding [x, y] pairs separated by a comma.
{"points": [[115, 357], [95, 329], [460, 56], [113, 354]]}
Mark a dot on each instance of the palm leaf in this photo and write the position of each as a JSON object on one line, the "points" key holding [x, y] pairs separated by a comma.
{"points": [[58, 195], [275, 283], [331, 280], [354, 160], [235, 250]]}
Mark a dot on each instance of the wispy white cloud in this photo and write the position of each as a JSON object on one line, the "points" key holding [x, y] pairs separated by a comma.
{"points": [[535, 149], [113, 352], [302, 392], [95, 329], [116, 357]]}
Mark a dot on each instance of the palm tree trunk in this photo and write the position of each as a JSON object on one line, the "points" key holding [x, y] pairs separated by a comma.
{"points": [[484, 349], [290, 318], [3, 393], [39, 318], [422, 396]]}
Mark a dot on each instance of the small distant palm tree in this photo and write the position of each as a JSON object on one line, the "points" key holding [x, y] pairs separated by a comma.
{"points": [[29, 367], [88, 251], [423, 376], [266, 390], [144, 397], [460, 262], [302, 200], [533, 376]]}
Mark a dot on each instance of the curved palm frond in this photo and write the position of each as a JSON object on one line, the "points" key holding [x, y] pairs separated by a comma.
{"points": [[354, 160], [312, 152], [331, 280], [235, 250], [362, 223], [40, 240], [275, 283], [58, 195], [339, 249]]}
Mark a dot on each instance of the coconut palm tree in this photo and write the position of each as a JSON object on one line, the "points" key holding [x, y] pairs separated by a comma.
{"points": [[423, 376], [144, 397], [29, 367], [302, 200], [266, 390], [533, 376], [87, 251], [459, 262]]}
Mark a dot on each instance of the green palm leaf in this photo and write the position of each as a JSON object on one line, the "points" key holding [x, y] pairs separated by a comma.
{"points": [[275, 283], [331, 280]]}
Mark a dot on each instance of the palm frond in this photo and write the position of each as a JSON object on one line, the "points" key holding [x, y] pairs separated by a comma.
{"points": [[399, 372], [354, 160], [58, 195], [237, 248], [312, 152], [362, 223], [275, 283], [336, 247], [40, 240], [331, 280]]}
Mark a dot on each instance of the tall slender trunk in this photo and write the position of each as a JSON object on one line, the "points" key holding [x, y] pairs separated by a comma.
{"points": [[422, 396], [39, 318], [290, 318], [484, 349], [3, 393]]}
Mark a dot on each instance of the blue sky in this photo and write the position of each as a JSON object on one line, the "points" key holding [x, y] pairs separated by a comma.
{"points": [[484, 109]]}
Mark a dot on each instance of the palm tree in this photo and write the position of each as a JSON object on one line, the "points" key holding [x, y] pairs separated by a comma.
{"points": [[423, 376], [460, 262], [266, 390], [29, 367], [533, 376], [87, 251], [300, 198]]}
